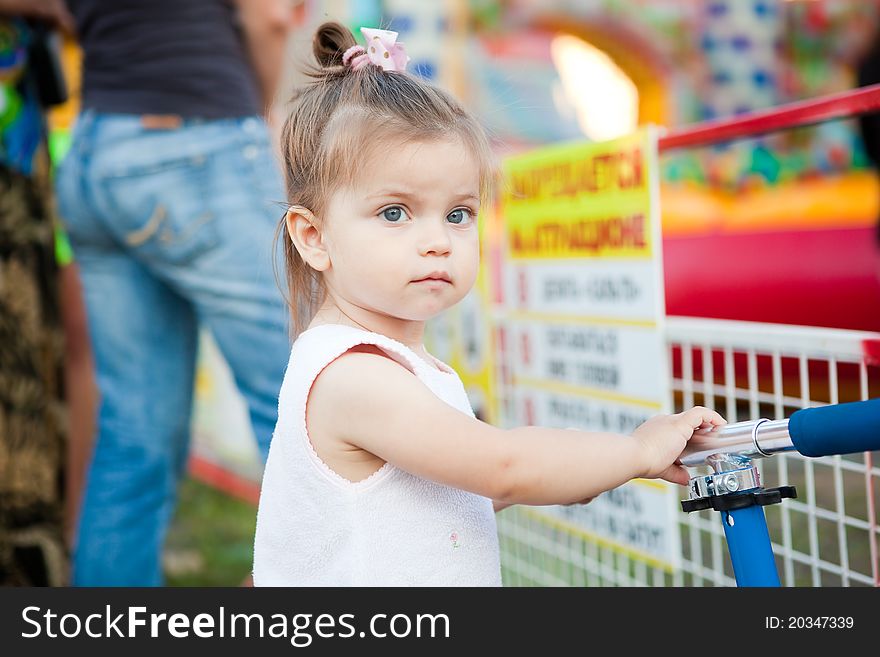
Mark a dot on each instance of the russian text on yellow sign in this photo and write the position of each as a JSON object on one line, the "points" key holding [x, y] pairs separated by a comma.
{"points": [[581, 200]]}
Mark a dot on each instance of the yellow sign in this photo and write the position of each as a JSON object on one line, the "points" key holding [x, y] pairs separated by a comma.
{"points": [[579, 201]]}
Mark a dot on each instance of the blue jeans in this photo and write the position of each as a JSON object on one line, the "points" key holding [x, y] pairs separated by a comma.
{"points": [[172, 229]]}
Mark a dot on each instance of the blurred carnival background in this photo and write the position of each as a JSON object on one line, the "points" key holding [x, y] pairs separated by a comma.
{"points": [[780, 228]]}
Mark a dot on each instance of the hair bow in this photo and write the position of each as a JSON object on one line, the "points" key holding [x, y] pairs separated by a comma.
{"points": [[382, 50]]}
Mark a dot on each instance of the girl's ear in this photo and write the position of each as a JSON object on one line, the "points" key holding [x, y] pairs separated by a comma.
{"points": [[307, 238]]}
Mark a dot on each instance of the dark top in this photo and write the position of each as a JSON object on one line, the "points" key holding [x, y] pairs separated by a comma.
{"points": [[183, 57]]}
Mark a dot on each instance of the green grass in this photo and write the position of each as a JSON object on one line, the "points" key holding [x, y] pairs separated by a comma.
{"points": [[211, 539]]}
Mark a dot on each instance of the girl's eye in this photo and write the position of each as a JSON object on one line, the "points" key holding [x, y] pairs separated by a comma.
{"points": [[394, 214], [460, 216]]}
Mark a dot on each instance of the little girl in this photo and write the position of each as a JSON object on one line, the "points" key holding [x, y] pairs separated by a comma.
{"points": [[378, 472]]}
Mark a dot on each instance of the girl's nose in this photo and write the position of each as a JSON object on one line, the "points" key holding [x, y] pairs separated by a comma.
{"points": [[434, 238]]}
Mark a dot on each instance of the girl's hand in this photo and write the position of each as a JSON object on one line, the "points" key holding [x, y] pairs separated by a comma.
{"points": [[662, 439]]}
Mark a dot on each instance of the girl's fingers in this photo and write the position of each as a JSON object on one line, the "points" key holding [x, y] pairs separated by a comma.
{"points": [[700, 417], [676, 474]]}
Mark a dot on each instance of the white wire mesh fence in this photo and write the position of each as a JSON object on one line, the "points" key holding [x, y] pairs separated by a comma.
{"points": [[828, 536]]}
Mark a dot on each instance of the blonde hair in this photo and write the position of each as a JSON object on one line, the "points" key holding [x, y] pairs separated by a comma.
{"points": [[334, 124]]}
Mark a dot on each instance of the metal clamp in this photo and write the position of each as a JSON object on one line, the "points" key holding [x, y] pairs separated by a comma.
{"points": [[724, 483]]}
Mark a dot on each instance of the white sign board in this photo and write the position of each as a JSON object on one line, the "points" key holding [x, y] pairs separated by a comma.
{"points": [[579, 341]]}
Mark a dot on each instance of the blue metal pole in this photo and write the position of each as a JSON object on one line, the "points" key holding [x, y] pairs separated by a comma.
{"points": [[748, 542]]}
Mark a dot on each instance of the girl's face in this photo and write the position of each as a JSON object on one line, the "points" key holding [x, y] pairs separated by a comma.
{"points": [[402, 239]]}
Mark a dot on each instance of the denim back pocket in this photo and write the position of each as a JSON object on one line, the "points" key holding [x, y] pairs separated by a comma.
{"points": [[256, 162], [163, 211]]}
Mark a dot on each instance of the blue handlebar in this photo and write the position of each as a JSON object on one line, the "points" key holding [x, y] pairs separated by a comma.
{"points": [[837, 429]]}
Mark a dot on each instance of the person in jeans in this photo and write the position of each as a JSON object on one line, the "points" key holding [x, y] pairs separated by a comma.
{"points": [[170, 195]]}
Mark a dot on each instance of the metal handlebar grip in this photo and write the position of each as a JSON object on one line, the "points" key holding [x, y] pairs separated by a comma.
{"points": [[836, 429]]}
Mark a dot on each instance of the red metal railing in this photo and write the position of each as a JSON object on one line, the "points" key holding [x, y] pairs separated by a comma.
{"points": [[782, 117], [224, 479]]}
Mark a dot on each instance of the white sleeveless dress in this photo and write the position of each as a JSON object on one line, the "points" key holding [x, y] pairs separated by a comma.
{"points": [[316, 528]]}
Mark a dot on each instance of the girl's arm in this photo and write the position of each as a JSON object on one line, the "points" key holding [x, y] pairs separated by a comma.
{"points": [[371, 402]]}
